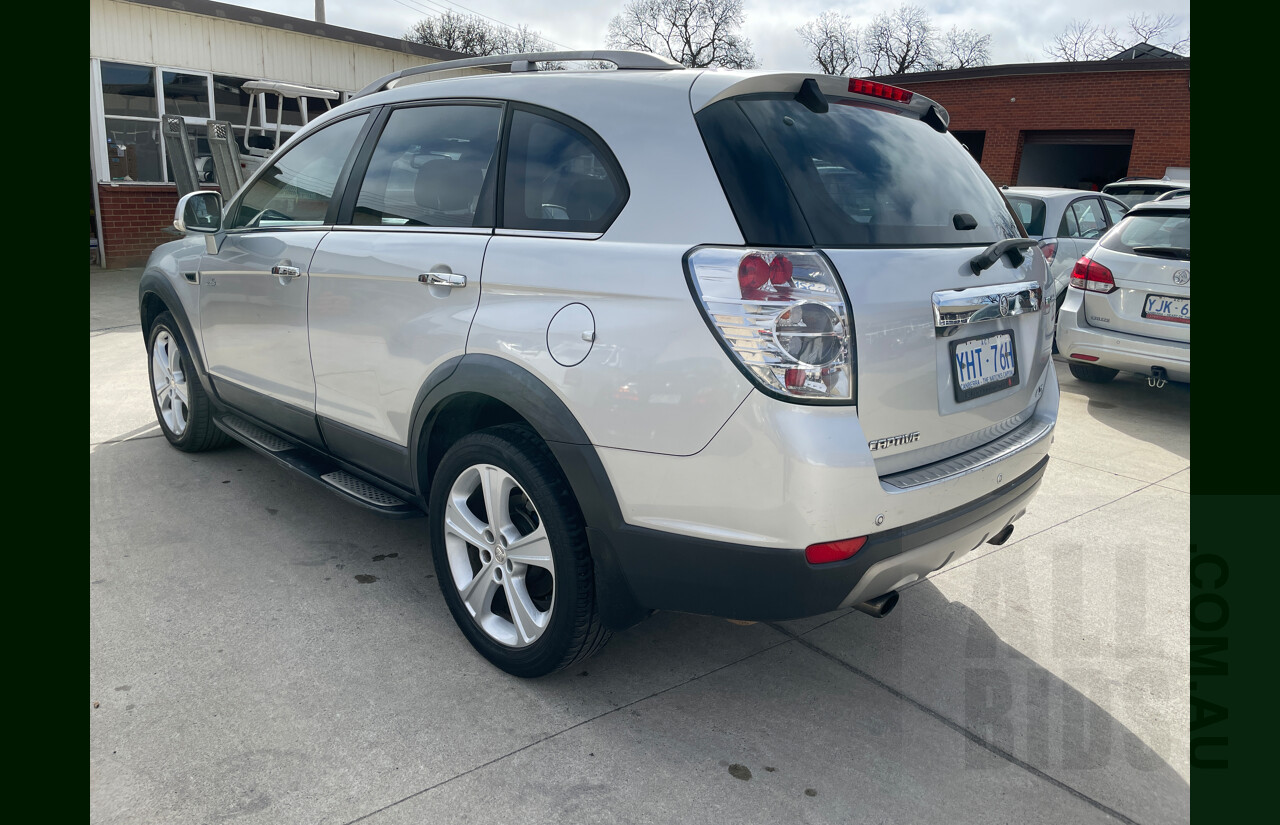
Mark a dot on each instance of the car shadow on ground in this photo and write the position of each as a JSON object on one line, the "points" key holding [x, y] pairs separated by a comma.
{"points": [[1158, 416]]}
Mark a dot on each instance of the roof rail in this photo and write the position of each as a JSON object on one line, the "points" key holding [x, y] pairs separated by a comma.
{"points": [[526, 63]]}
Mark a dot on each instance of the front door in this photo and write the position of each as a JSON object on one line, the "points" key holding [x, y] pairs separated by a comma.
{"points": [[253, 291]]}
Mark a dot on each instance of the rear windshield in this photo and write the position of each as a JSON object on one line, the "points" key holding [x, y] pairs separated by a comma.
{"points": [[1134, 195], [1155, 235], [860, 174], [1030, 212]]}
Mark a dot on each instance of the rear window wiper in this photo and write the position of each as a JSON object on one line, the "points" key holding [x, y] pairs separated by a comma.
{"points": [[1177, 252]]}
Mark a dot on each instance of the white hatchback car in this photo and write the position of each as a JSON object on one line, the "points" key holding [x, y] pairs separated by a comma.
{"points": [[750, 344], [1129, 308]]}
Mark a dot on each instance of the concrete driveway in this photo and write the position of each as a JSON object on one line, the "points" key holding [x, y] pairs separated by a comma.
{"points": [[239, 671]]}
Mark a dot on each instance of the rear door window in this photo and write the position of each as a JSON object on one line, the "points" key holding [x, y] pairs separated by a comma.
{"points": [[430, 167], [1089, 218], [559, 177], [861, 174]]}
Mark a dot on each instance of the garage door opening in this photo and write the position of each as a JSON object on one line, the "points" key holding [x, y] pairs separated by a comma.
{"points": [[1076, 160]]}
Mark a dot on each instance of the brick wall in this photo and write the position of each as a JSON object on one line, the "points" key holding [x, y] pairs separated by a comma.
{"points": [[1156, 105], [133, 220]]}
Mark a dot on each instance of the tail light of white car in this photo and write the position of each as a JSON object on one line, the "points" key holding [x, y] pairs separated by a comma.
{"points": [[1092, 276], [783, 317]]}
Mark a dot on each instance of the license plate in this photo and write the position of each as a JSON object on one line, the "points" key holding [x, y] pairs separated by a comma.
{"points": [[1164, 308], [980, 366]]}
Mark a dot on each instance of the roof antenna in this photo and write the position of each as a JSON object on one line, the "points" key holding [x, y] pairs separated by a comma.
{"points": [[812, 97]]}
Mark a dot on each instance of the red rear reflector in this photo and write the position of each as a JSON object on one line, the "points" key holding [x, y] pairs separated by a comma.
{"points": [[869, 87], [1080, 357], [829, 551], [1090, 275]]}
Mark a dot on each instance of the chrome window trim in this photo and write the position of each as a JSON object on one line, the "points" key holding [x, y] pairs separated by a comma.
{"points": [[550, 233]]}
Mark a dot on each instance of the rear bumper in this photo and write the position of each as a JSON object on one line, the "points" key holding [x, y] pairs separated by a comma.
{"points": [[1118, 350], [666, 571]]}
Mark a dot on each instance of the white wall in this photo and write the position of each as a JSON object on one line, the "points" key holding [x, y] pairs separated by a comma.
{"points": [[131, 33]]}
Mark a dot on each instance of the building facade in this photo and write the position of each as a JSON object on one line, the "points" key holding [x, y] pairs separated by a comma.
{"points": [[1079, 125], [148, 58]]}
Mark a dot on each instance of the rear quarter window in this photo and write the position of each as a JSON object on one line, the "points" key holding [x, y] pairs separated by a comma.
{"points": [[1030, 211]]}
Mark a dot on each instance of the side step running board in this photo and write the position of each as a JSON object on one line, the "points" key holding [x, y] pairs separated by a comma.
{"points": [[317, 467]]}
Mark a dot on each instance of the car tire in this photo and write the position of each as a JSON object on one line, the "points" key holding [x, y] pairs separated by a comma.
{"points": [[1093, 373], [181, 404], [521, 585]]}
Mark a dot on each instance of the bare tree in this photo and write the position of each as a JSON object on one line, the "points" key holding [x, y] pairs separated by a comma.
{"points": [[1086, 40], [473, 35], [961, 48], [900, 41], [697, 33], [833, 42]]}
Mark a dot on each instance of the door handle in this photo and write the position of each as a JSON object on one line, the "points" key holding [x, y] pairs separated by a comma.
{"points": [[453, 280], [285, 272]]}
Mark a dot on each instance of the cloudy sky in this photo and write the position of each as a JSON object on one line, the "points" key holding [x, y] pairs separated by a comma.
{"points": [[1017, 36]]}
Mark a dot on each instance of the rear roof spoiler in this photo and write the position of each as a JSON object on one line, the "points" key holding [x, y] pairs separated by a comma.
{"points": [[628, 60], [711, 87]]}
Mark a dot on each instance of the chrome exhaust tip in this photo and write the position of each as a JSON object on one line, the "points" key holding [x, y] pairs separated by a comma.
{"points": [[880, 606]]}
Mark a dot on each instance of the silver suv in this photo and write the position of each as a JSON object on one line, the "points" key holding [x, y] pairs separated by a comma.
{"points": [[747, 344]]}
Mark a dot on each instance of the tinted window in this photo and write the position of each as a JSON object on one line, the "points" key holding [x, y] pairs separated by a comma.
{"points": [[297, 188], [1115, 211], [1157, 235], [1089, 218], [429, 168], [558, 179], [1031, 212], [865, 175]]}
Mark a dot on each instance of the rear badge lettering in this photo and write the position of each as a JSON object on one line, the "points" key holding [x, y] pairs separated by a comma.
{"points": [[1097, 318], [893, 441]]}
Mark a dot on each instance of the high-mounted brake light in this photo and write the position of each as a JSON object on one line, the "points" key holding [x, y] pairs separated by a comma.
{"points": [[1090, 275], [829, 551], [860, 86], [782, 315]]}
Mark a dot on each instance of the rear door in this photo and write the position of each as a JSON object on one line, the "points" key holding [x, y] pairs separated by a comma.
{"points": [[253, 291], [947, 357], [1149, 257], [394, 287]]}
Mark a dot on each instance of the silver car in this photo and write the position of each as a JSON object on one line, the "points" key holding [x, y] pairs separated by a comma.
{"points": [[1129, 308], [1066, 222], [749, 344]]}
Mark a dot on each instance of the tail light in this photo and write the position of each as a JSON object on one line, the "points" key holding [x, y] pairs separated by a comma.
{"points": [[781, 315], [1090, 275], [1050, 249]]}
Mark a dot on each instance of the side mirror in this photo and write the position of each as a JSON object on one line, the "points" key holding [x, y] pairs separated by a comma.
{"points": [[199, 211]]}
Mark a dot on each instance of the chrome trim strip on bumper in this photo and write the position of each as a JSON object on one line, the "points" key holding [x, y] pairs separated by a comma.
{"points": [[947, 469]]}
